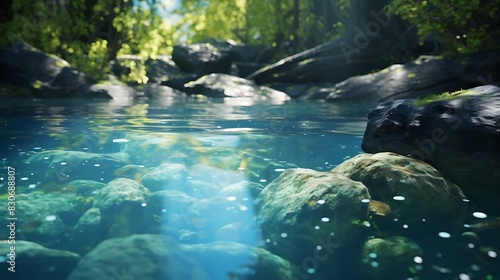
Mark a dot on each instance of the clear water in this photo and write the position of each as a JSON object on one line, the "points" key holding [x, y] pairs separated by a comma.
{"points": [[259, 141], [219, 143]]}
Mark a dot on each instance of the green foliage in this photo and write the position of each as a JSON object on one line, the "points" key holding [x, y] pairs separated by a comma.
{"points": [[439, 97], [290, 25], [463, 25], [90, 33]]}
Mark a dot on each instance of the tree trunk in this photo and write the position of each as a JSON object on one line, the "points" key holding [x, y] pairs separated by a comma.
{"points": [[371, 41]]}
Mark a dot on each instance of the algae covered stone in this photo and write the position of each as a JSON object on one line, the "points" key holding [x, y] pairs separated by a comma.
{"points": [[418, 195], [303, 209]]}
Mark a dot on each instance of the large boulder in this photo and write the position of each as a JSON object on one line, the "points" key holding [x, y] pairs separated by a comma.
{"points": [[222, 85], [33, 261], [459, 136], [419, 199], [311, 217], [44, 74]]}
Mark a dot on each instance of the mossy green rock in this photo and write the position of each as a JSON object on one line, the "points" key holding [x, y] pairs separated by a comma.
{"points": [[418, 195]]}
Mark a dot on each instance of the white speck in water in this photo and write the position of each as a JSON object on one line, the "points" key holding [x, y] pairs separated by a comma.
{"points": [[311, 270], [268, 240], [365, 200], [279, 169], [275, 243], [243, 208], [120, 140], [479, 215], [321, 201], [332, 234], [492, 254], [399, 198], [163, 210], [24, 179], [444, 234], [63, 163], [424, 220], [231, 198], [31, 186], [465, 200], [316, 227], [463, 276], [144, 204], [284, 234], [374, 264], [475, 267], [97, 165], [418, 259], [325, 219], [373, 255], [471, 245], [405, 226], [46, 158], [319, 248], [51, 218], [262, 180]]}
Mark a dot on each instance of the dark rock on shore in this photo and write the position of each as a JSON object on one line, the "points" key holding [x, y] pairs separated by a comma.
{"points": [[460, 137], [44, 74], [414, 79], [222, 85], [202, 59]]}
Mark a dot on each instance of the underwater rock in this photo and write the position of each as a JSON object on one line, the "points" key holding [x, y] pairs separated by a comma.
{"points": [[36, 262], [122, 203], [140, 256], [166, 176], [459, 136], [244, 190], [206, 216], [46, 217], [418, 195], [395, 257], [231, 260], [88, 232], [303, 208], [170, 207], [82, 187], [63, 166], [223, 85]]}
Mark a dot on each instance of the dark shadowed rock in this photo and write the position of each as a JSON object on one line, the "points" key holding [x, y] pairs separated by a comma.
{"points": [[222, 85], [459, 137], [395, 257], [202, 58], [414, 79], [36, 262], [46, 75]]}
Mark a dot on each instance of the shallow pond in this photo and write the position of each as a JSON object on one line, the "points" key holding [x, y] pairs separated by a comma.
{"points": [[178, 157]]}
